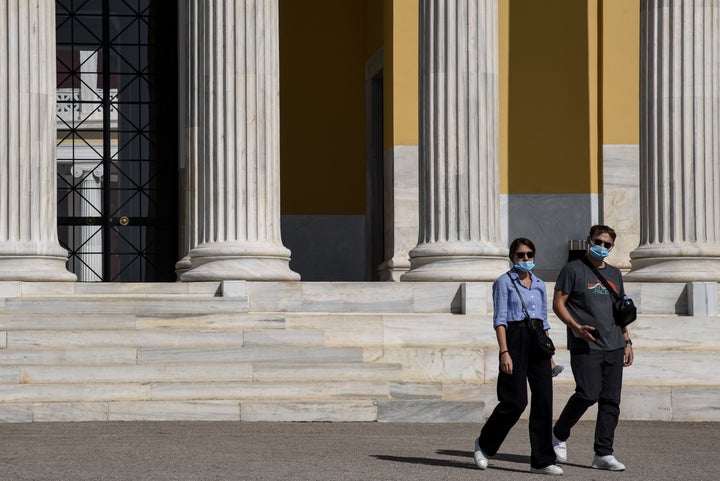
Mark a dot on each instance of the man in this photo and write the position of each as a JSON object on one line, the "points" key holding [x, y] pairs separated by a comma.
{"points": [[599, 348]]}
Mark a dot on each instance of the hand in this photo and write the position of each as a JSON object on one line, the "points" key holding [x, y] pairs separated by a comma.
{"points": [[629, 355], [506, 364], [586, 332]]}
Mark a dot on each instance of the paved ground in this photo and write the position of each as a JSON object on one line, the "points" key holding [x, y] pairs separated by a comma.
{"points": [[334, 452]]}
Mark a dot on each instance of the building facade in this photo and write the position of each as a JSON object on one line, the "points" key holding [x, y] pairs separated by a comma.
{"points": [[365, 140]]}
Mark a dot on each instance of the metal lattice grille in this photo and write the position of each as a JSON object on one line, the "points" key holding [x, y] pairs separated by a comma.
{"points": [[116, 138]]}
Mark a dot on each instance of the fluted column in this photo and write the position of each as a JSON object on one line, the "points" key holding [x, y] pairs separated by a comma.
{"points": [[459, 173], [234, 164], [29, 247], [679, 142]]}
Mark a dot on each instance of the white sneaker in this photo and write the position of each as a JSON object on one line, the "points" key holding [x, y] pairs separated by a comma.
{"points": [[560, 448], [480, 459], [552, 470], [607, 462]]}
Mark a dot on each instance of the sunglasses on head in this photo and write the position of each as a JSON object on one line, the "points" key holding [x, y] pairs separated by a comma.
{"points": [[606, 245], [522, 255]]}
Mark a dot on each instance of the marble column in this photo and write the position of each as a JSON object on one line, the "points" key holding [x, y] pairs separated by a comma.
{"points": [[459, 237], [29, 247], [679, 142], [234, 163]]}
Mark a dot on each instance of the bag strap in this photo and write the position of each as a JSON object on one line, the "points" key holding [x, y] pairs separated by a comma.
{"points": [[602, 279], [522, 301]]}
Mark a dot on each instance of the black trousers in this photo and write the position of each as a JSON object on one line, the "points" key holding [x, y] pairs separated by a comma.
{"points": [[598, 379], [529, 367]]}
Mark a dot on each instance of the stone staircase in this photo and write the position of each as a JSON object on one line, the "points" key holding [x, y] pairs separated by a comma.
{"points": [[420, 352]]}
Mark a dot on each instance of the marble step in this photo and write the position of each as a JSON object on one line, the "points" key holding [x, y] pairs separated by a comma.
{"points": [[196, 391], [215, 372], [155, 355], [642, 403], [233, 410], [116, 338], [112, 289], [125, 305], [161, 338], [64, 321]]}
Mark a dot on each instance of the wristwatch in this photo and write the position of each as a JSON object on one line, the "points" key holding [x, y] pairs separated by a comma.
{"points": [[628, 341]]}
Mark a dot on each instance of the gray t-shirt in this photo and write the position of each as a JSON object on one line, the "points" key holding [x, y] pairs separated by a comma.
{"points": [[589, 302]]}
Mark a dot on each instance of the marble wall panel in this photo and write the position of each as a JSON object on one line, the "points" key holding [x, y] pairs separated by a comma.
{"points": [[676, 332], [476, 298], [691, 404], [10, 289], [16, 413], [9, 375], [415, 390], [423, 411], [363, 330], [70, 412], [353, 297], [274, 296], [659, 297], [674, 367], [22, 393], [174, 411], [440, 364], [647, 403], [234, 289], [403, 330], [265, 372], [621, 200], [401, 209]]}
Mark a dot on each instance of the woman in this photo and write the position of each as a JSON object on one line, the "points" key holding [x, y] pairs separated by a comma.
{"points": [[520, 363]]}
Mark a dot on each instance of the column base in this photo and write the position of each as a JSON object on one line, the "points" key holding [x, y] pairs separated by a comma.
{"points": [[673, 269], [392, 271], [182, 266], [238, 261], [456, 263], [28, 268]]}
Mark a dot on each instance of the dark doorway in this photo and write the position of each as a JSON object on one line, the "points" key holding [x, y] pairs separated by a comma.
{"points": [[117, 138]]}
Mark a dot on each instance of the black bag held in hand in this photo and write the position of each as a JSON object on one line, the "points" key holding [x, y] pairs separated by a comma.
{"points": [[542, 342], [624, 310]]}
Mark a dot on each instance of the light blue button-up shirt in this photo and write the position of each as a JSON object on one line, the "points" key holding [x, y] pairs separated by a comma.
{"points": [[507, 305]]}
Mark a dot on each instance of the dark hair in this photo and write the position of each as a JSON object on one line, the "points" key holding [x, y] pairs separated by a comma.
{"points": [[602, 229], [520, 241]]}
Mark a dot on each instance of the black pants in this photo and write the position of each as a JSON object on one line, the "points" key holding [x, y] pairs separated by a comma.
{"points": [[531, 367], [598, 379]]}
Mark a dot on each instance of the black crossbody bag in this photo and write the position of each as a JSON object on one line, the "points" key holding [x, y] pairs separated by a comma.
{"points": [[541, 341], [624, 310]]}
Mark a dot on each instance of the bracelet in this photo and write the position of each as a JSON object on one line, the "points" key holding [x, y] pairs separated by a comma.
{"points": [[500, 355], [628, 341]]}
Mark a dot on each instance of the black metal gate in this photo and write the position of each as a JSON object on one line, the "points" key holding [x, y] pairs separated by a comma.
{"points": [[117, 138]]}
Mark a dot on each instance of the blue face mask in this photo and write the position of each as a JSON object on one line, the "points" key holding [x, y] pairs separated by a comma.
{"points": [[599, 252], [525, 266]]}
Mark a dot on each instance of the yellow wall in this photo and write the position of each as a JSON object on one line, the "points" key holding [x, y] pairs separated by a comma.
{"points": [[568, 84], [620, 71], [401, 73], [322, 105], [548, 146]]}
